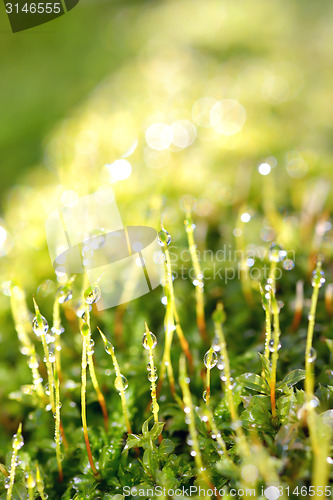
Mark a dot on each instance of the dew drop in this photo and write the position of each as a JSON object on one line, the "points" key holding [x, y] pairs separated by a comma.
{"points": [[288, 264], [271, 346], [33, 363], [81, 311], [204, 396], [318, 278], [152, 377], [189, 441], [312, 355], [92, 295], [49, 338], [18, 442], [216, 347], [65, 294], [108, 347], [276, 253], [58, 331], [220, 364], [121, 383], [85, 329], [188, 226], [164, 238], [149, 343], [44, 327], [210, 359]]}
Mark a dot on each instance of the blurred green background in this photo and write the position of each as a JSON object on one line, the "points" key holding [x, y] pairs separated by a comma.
{"points": [[47, 71]]}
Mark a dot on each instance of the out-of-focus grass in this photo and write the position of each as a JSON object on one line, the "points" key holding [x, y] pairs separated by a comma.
{"points": [[48, 70]]}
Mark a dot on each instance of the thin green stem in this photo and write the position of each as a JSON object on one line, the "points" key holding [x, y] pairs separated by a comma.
{"points": [[57, 334], [150, 343], [33, 364], [267, 304], [171, 296], [216, 432], [23, 326], [207, 386], [119, 381], [17, 444], [218, 318], [95, 383], [40, 484], [55, 407], [50, 375], [190, 417], [169, 327], [92, 371], [317, 281], [309, 378], [210, 360], [84, 331], [31, 492], [275, 354], [198, 282], [57, 433]]}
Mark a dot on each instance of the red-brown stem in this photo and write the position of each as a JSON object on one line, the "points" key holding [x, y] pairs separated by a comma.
{"points": [[64, 440], [273, 399], [90, 457], [329, 299]]}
